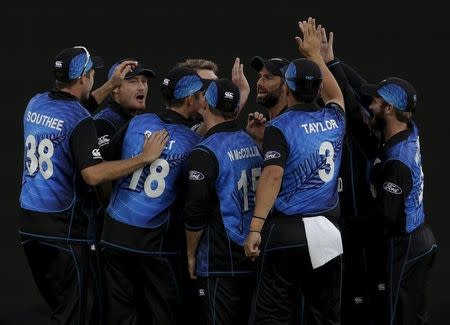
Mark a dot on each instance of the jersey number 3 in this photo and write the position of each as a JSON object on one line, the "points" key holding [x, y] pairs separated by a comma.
{"points": [[326, 149]]}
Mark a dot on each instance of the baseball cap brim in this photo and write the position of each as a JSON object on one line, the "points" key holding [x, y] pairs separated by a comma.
{"points": [[206, 83], [369, 89], [97, 62], [141, 71], [258, 63], [275, 66]]}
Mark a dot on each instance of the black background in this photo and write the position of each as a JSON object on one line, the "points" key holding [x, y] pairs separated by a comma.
{"points": [[395, 38]]}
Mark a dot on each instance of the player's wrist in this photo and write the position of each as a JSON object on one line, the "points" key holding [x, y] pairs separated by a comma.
{"points": [[257, 224]]}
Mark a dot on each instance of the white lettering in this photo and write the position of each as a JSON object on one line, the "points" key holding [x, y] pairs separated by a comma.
{"points": [[169, 146], [60, 124], [320, 126], [45, 120], [243, 153], [304, 126]]}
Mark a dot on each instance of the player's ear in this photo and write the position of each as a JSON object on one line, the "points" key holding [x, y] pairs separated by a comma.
{"points": [[389, 109]]}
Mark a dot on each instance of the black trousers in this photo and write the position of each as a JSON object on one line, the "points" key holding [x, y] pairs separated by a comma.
{"points": [[400, 295], [355, 277], [284, 275], [288, 290], [403, 298], [139, 289], [61, 272], [226, 300]]}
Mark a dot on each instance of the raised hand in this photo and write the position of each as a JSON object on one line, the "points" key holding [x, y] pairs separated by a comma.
{"points": [[326, 45], [310, 45], [239, 79], [121, 71]]}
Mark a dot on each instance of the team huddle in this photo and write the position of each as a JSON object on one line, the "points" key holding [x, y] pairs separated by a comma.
{"points": [[312, 214]]}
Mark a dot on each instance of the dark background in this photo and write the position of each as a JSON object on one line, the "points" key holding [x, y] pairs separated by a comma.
{"points": [[396, 38]]}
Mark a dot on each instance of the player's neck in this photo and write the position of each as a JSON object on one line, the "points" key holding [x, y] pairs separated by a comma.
{"points": [[392, 128], [212, 120], [184, 111], [74, 91], [275, 110]]}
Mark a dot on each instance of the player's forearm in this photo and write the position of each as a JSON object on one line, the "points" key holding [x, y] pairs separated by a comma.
{"points": [[102, 92], [111, 170], [331, 90], [192, 240], [244, 96], [266, 193]]}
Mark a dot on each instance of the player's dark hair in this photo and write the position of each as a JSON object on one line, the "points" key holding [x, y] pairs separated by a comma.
{"points": [[402, 116], [226, 115], [305, 95], [64, 84]]}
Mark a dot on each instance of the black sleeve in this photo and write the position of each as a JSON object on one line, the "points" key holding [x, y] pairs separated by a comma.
{"points": [[90, 104], [105, 131], [356, 124], [84, 146], [113, 149], [275, 147], [354, 78], [352, 105], [203, 172], [396, 184]]}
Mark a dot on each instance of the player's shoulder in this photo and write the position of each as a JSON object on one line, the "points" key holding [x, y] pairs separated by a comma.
{"points": [[335, 108]]}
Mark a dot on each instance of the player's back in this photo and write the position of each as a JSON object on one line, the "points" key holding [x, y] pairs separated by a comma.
{"points": [[48, 183], [314, 137], [143, 198]]}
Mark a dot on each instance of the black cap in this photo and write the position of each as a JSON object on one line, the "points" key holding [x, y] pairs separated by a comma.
{"points": [[71, 63], [138, 70], [397, 92], [276, 66], [303, 74], [180, 83], [223, 95]]}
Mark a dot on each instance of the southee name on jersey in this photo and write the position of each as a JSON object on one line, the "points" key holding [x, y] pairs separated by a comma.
{"points": [[243, 153], [45, 120]]}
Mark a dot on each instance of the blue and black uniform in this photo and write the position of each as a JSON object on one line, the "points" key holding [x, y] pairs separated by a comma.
{"points": [[139, 236], [223, 170], [306, 141], [408, 244], [109, 120], [355, 198], [56, 205]]}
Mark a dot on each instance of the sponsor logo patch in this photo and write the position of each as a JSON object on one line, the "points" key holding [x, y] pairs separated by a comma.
{"points": [[392, 188], [271, 155], [195, 175], [96, 154], [104, 139], [201, 292], [358, 300], [229, 95]]}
